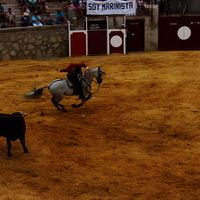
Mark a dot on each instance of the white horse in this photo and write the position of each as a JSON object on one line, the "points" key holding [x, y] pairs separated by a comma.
{"points": [[61, 87]]}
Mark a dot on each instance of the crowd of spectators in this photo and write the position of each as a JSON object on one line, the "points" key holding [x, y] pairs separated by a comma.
{"points": [[34, 13]]}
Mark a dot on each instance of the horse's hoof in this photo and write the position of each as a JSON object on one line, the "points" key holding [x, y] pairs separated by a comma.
{"points": [[64, 110], [74, 105]]}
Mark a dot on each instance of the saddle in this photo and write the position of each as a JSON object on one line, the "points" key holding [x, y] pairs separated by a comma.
{"points": [[70, 85], [76, 86]]}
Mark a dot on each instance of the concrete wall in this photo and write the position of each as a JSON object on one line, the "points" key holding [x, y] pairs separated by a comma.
{"points": [[34, 42], [150, 31]]}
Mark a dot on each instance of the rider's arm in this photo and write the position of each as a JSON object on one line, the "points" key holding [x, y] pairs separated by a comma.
{"points": [[61, 70], [71, 66]]}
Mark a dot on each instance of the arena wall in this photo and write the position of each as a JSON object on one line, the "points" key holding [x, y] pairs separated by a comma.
{"points": [[52, 41], [34, 42]]}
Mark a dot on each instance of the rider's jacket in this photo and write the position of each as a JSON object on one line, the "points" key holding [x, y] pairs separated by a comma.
{"points": [[73, 69]]}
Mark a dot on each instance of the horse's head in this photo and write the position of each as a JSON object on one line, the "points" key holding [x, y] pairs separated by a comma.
{"points": [[99, 75]]}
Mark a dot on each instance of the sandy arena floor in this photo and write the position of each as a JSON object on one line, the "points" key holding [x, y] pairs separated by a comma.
{"points": [[138, 138]]}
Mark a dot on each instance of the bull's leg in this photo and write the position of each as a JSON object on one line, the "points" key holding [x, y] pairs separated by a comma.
{"points": [[9, 147], [22, 140]]}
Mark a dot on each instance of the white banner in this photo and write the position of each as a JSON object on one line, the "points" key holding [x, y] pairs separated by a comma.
{"points": [[111, 7]]}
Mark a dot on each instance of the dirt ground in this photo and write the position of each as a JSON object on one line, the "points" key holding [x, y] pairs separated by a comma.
{"points": [[138, 138]]}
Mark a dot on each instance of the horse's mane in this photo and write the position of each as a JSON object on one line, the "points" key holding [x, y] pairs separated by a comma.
{"points": [[92, 69]]}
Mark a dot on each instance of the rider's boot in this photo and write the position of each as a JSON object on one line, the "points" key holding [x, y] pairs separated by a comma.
{"points": [[82, 96]]}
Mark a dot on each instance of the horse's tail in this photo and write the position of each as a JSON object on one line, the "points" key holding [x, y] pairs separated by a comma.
{"points": [[36, 93]]}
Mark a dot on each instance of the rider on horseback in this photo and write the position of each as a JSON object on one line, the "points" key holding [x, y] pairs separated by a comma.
{"points": [[74, 75]]}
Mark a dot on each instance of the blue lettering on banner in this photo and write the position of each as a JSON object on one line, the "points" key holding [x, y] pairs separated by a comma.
{"points": [[112, 6], [93, 6]]}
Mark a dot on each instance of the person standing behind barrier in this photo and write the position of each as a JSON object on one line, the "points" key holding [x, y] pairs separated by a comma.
{"points": [[60, 18], [2, 14], [33, 5], [127, 32], [11, 17], [161, 7], [36, 19], [140, 7], [78, 8], [22, 5], [41, 6], [167, 8]]}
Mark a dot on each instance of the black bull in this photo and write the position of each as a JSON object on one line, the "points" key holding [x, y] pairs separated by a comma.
{"points": [[13, 127]]}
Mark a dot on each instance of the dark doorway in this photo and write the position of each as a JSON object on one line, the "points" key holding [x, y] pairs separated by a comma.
{"points": [[135, 36], [97, 42]]}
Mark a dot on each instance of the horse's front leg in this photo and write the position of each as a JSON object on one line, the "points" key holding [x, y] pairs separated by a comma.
{"points": [[88, 97], [82, 102], [78, 105]]}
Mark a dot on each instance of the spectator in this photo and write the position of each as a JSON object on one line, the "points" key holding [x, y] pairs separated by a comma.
{"points": [[140, 7], [167, 9], [60, 18], [78, 8], [36, 19], [42, 6], [161, 7], [25, 19], [127, 32], [22, 5], [33, 5], [10, 17], [2, 14], [48, 20]]}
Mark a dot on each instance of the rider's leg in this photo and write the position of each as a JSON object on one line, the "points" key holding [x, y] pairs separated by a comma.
{"points": [[80, 91]]}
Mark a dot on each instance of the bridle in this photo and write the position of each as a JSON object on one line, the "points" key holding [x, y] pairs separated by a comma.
{"points": [[99, 79]]}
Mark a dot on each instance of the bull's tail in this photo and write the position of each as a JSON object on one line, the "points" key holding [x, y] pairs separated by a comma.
{"points": [[36, 93]]}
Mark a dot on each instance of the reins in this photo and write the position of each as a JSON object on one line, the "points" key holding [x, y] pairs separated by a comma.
{"points": [[84, 79], [97, 89]]}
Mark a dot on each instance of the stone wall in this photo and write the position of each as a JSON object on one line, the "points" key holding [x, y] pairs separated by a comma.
{"points": [[34, 42], [52, 41]]}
